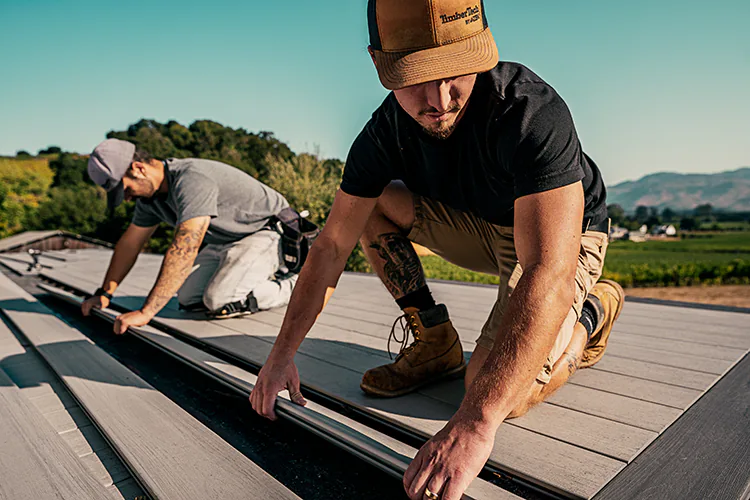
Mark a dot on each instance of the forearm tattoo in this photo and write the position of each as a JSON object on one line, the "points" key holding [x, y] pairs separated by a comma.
{"points": [[402, 268], [176, 267]]}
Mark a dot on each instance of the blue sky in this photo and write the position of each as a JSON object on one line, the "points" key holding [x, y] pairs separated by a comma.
{"points": [[652, 85]]}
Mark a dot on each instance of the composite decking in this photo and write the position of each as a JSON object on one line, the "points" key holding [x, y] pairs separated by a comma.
{"points": [[659, 362], [171, 453]]}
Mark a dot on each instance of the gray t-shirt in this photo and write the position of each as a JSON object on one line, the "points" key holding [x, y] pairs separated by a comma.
{"points": [[238, 204]]}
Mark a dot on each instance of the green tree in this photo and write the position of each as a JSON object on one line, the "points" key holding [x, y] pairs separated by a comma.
{"points": [[688, 224], [617, 214], [23, 185], [22, 154], [80, 209], [70, 170], [668, 215], [51, 150], [210, 140], [704, 212], [642, 213]]}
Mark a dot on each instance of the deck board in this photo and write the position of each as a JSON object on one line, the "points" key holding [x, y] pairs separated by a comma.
{"points": [[538, 458], [356, 352], [647, 379], [705, 454], [378, 448], [172, 454], [35, 463]]}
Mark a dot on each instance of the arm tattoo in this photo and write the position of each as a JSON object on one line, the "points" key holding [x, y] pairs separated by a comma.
{"points": [[176, 266], [402, 268]]}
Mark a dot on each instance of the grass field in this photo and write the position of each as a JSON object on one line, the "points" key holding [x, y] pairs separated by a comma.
{"points": [[703, 258]]}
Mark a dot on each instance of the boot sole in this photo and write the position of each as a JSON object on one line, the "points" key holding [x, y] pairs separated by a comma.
{"points": [[232, 315], [453, 373]]}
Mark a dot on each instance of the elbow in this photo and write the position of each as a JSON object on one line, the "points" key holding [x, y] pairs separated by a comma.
{"points": [[558, 279]]}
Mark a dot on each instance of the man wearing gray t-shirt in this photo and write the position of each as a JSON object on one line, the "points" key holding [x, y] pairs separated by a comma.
{"points": [[240, 268]]}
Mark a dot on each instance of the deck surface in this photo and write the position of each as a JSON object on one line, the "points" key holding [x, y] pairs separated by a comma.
{"points": [[660, 360], [172, 454]]}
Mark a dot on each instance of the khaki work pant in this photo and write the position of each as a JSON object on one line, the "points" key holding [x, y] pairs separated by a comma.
{"points": [[227, 273], [473, 243]]}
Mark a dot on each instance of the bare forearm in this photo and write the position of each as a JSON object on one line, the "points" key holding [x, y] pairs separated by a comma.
{"points": [[176, 267], [122, 262], [535, 313], [316, 282]]}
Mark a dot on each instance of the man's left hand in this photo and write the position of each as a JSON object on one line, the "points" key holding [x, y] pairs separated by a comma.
{"points": [[450, 461], [133, 318]]}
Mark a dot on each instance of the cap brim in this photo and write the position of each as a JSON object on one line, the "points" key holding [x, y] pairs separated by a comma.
{"points": [[477, 54], [115, 196]]}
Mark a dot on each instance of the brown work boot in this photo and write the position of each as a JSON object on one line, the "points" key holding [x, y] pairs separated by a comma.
{"points": [[435, 354], [611, 299]]}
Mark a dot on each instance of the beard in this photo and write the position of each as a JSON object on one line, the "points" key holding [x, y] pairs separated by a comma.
{"points": [[141, 189], [442, 130]]}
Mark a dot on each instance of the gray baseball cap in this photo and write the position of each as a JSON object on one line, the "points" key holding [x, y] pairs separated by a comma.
{"points": [[108, 164]]}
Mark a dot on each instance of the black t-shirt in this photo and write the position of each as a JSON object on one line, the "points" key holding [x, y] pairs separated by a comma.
{"points": [[516, 138]]}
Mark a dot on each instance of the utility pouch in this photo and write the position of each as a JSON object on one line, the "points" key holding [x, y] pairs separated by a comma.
{"points": [[297, 236]]}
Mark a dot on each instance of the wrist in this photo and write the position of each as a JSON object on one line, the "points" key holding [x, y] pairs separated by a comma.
{"points": [[100, 292], [477, 421], [148, 312]]}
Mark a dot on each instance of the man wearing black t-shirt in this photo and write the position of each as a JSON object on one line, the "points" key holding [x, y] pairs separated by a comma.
{"points": [[479, 161]]}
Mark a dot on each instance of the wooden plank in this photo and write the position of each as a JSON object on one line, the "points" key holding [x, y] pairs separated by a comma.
{"points": [[657, 356], [34, 462], [646, 390], [635, 412], [332, 426], [675, 333], [609, 438], [679, 313], [679, 377], [532, 456], [679, 346], [355, 352], [172, 454], [704, 454]]}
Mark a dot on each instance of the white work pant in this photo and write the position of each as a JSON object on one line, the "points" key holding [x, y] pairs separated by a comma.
{"points": [[226, 273]]}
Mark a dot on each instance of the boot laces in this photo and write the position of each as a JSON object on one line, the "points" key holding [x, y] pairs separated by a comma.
{"points": [[408, 324]]}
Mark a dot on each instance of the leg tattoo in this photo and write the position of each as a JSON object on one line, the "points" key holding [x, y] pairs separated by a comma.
{"points": [[571, 358], [402, 269]]}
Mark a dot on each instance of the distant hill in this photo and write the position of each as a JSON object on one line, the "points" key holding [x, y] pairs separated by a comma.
{"points": [[724, 190]]}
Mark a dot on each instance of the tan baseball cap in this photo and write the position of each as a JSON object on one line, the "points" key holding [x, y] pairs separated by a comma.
{"points": [[417, 41]]}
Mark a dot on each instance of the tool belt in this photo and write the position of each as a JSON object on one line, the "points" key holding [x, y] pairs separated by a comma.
{"points": [[297, 236]]}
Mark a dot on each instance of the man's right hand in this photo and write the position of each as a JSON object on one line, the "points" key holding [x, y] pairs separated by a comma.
{"points": [[95, 301], [273, 378]]}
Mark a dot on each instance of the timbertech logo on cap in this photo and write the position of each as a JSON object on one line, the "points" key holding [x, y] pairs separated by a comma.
{"points": [[417, 41]]}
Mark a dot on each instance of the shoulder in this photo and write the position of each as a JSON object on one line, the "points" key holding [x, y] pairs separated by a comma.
{"points": [[187, 170], [526, 99], [511, 82], [190, 175]]}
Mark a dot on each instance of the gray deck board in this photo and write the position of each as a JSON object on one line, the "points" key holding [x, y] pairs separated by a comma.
{"points": [[35, 462], [705, 454], [356, 352], [552, 463], [173, 455], [369, 443], [634, 393]]}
